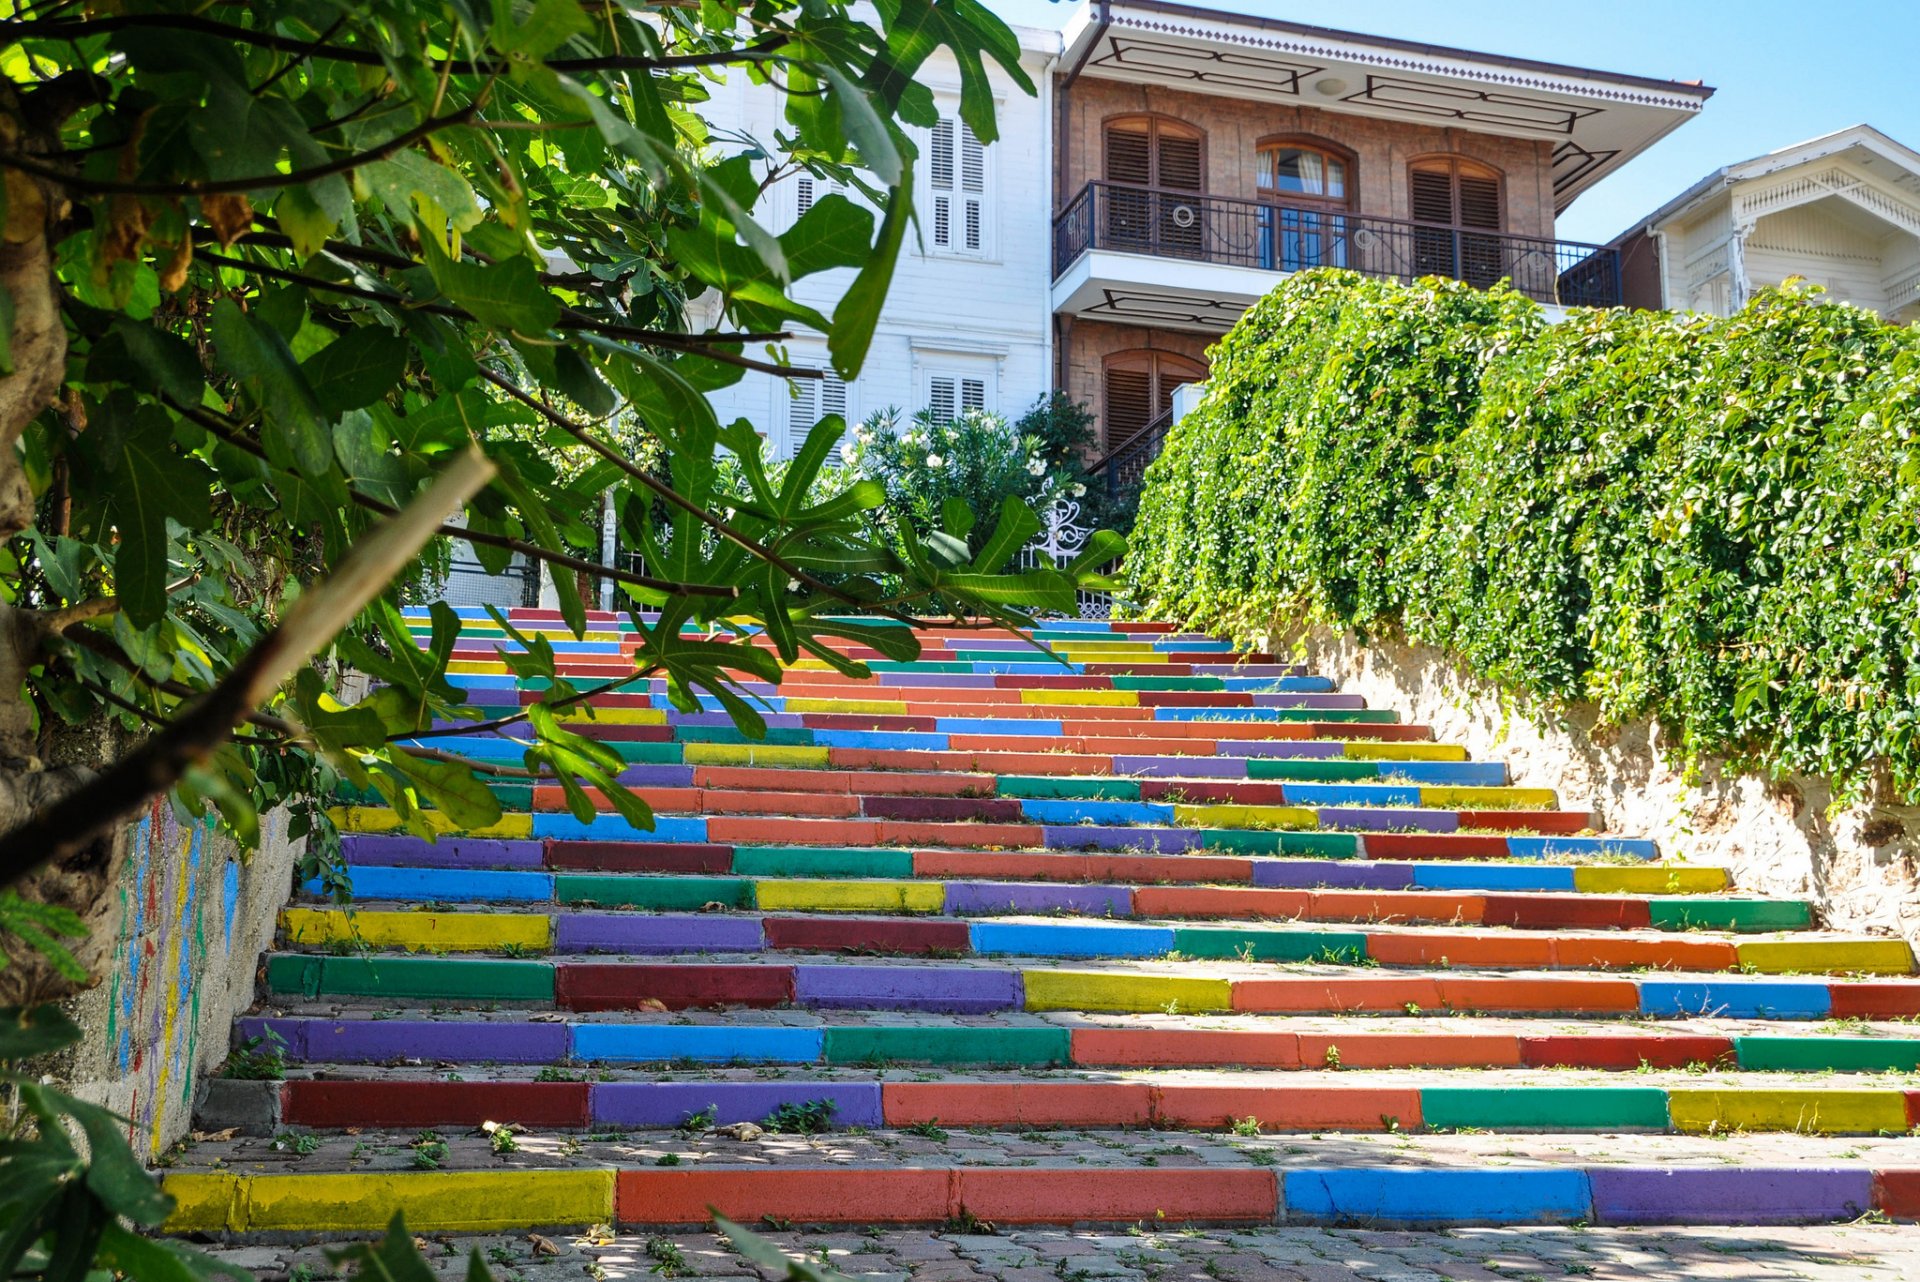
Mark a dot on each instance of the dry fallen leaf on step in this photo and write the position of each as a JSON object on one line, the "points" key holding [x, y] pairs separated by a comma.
{"points": [[202, 1137], [740, 1131], [543, 1245]]}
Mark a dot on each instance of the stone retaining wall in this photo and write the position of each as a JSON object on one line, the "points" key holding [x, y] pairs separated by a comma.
{"points": [[1860, 864]]}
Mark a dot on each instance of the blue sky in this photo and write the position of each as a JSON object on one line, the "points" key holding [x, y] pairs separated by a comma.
{"points": [[1784, 71]]}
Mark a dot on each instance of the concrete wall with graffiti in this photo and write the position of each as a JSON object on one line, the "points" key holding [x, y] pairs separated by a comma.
{"points": [[193, 919]]}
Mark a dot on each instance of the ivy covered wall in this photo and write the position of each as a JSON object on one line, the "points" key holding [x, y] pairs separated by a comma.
{"points": [[1714, 523]]}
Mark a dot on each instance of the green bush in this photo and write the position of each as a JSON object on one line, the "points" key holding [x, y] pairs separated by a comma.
{"points": [[1712, 522]]}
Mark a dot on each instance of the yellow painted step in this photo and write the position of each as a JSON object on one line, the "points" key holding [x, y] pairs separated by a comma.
{"points": [[1461, 797], [1809, 1111], [800, 895], [1374, 750], [1093, 990], [433, 1201], [752, 754], [1227, 815], [873, 707], [617, 716], [438, 932], [1083, 698], [1828, 956], [1651, 879], [381, 819]]}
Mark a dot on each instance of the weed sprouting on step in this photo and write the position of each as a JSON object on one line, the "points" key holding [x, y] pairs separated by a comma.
{"points": [[302, 1143], [668, 1260], [927, 1130], [258, 1059], [700, 1122], [802, 1117]]}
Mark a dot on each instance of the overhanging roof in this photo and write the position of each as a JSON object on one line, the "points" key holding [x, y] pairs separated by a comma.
{"points": [[1887, 159], [1596, 120]]}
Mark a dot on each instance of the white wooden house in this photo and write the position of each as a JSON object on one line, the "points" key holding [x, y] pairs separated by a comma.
{"points": [[1841, 210]]}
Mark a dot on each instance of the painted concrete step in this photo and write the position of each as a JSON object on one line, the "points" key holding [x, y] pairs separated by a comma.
{"points": [[1328, 831], [402, 1033], [981, 986], [632, 887], [1241, 1102], [391, 926], [637, 874], [1167, 1178]]}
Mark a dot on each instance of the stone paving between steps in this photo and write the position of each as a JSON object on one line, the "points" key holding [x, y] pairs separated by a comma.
{"points": [[1845, 1253]]}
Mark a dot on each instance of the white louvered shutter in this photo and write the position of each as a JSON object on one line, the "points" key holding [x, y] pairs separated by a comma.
{"points": [[813, 400], [957, 174], [943, 397], [973, 393]]}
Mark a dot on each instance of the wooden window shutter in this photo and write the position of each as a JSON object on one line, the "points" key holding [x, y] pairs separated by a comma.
{"points": [[1129, 156], [1432, 193], [1130, 402], [1178, 161], [1480, 202]]}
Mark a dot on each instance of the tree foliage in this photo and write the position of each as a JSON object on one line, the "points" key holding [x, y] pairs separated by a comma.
{"points": [[1712, 522], [268, 266]]}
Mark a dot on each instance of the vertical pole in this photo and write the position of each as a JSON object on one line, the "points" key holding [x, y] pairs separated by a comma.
{"points": [[606, 548]]}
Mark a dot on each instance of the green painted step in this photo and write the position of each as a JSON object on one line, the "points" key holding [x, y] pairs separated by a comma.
{"points": [[1544, 1107], [470, 978], [662, 894], [1249, 841], [1744, 915], [1817, 1054], [1307, 770], [1022, 1046], [1050, 786], [1340, 947], [823, 861]]}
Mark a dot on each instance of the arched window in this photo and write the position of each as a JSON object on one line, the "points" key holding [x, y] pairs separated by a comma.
{"points": [[1308, 186], [1456, 198], [1154, 167], [1154, 151], [1137, 387]]}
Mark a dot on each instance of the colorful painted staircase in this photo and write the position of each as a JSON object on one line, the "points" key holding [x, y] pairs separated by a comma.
{"points": [[1136, 930]]}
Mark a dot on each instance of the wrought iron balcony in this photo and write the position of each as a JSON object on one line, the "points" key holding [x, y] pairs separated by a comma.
{"points": [[1286, 238]]}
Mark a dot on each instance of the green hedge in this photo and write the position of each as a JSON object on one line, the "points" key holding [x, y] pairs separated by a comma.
{"points": [[1713, 522]]}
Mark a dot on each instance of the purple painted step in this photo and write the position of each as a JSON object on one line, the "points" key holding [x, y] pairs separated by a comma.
{"points": [[1182, 767], [954, 989], [670, 1103], [1305, 874], [1165, 841], [978, 898], [674, 933], [1730, 1195], [1389, 819], [448, 852], [657, 776], [373, 1041]]}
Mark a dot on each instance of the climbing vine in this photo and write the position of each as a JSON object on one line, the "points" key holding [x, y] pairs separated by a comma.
{"points": [[1713, 522]]}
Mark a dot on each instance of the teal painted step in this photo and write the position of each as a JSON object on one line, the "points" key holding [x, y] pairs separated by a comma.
{"points": [[1745, 915], [931, 1045], [1052, 787], [1547, 1108], [823, 861], [468, 978], [661, 894], [1340, 947], [1818, 1054]]}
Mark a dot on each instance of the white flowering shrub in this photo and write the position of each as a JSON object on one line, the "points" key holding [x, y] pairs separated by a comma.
{"points": [[975, 457]]}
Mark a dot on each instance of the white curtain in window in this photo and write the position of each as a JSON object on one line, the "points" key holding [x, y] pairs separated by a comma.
{"points": [[1313, 173]]}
